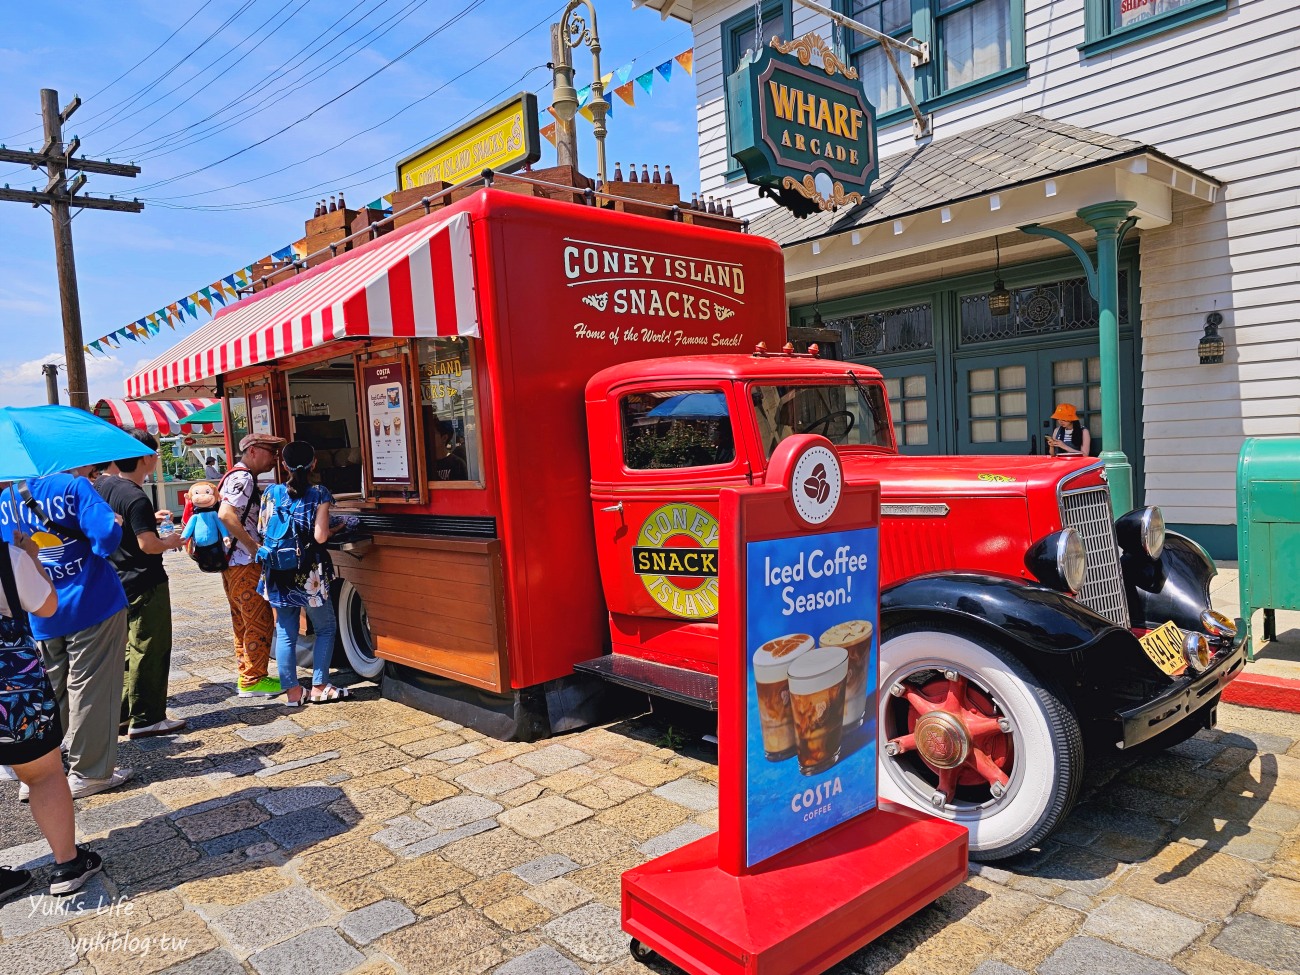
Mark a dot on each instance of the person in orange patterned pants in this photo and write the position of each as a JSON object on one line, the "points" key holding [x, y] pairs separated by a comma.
{"points": [[250, 614]]}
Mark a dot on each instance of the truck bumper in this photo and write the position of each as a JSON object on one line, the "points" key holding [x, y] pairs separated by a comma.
{"points": [[1187, 695]]}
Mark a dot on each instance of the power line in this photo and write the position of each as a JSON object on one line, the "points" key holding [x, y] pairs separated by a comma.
{"points": [[257, 30], [163, 44], [405, 108], [269, 101], [459, 15], [278, 71]]}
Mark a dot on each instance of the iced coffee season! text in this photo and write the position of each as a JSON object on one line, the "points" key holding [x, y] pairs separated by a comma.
{"points": [[815, 565]]}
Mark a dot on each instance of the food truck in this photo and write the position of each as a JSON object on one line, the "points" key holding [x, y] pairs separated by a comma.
{"points": [[531, 407]]}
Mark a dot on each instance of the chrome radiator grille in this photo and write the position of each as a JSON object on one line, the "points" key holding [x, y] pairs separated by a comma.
{"points": [[1088, 512]]}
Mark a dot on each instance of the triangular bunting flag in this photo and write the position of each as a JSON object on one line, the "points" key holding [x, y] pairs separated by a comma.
{"points": [[625, 92], [666, 69], [647, 81], [607, 79], [585, 112], [548, 133], [96, 346], [685, 59], [229, 281], [217, 293], [584, 94], [86, 348], [128, 334], [624, 72]]}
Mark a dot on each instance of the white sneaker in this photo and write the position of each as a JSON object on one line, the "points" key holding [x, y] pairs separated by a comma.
{"points": [[24, 793], [166, 726], [82, 787]]}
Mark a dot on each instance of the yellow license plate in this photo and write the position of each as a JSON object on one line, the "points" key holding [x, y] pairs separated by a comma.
{"points": [[1164, 645]]}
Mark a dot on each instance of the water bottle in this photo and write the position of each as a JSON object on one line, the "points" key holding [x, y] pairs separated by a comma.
{"points": [[166, 529]]}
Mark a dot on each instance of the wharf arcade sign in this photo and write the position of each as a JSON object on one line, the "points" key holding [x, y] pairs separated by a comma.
{"points": [[806, 136]]}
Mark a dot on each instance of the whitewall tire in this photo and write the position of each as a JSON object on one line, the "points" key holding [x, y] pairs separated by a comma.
{"points": [[354, 634], [1000, 752]]}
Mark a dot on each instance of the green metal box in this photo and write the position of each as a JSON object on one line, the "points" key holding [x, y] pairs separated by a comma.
{"points": [[1268, 529]]}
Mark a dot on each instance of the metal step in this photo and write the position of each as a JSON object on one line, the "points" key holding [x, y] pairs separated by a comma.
{"points": [[662, 680]]}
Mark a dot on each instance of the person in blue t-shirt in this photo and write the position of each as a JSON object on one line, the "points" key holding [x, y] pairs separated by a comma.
{"points": [[84, 643]]}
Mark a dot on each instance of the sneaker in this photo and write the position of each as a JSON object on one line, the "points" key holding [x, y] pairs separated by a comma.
{"points": [[266, 687], [82, 787], [70, 877], [13, 882], [24, 792], [166, 726]]}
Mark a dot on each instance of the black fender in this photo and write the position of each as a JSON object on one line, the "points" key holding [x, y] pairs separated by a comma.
{"points": [[1030, 618], [1174, 587]]}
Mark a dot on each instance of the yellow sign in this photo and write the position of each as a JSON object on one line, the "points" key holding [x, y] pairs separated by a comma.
{"points": [[504, 139]]}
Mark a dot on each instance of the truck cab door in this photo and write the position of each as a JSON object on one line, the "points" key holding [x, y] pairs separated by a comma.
{"points": [[660, 453]]}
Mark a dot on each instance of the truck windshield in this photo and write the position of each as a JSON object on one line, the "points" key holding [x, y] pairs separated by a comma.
{"points": [[846, 414]]}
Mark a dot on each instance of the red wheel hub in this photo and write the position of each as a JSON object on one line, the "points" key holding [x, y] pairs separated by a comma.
{"points": [[954, 728]]}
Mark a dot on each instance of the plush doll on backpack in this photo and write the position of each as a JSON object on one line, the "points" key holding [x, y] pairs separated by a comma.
{"points": [[205, 529]]}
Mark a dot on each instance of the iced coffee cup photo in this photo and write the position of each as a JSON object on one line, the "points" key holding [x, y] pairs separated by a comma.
{"points": [[855, 637], [816, 681], [376, 428], [771, 661]]}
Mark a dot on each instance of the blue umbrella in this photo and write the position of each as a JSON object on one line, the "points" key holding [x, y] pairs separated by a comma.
{"points": [[692, 405], [40, 440]]}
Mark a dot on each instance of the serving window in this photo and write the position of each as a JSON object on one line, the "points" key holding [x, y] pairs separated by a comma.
{"points": [[323, 411], [453, 455]]}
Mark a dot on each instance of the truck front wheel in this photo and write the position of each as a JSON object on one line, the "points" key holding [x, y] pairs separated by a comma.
{"points": [[968, 733]]}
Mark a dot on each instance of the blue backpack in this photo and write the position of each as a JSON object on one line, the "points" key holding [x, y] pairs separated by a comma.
{"points": [[280, 549]]}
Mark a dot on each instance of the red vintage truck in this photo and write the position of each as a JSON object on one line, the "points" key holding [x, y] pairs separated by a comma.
{"points": [[531, 406]]}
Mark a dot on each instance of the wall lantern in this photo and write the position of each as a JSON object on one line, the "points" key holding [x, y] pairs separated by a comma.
{"points": [[1210, 347], [999, 297]]}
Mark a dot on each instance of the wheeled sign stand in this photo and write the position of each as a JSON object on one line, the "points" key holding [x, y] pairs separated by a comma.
{"points": [[806, 866]]}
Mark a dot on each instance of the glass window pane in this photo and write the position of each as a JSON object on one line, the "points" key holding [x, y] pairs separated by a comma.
{"points": [[981, 380], [984, 405], [879, 82], [1014, 430], [1094, 398], [1094, 370], [1012, 404], [984, 431], [1067, 371], [1072, 395], [1011, 377], [1094, 425], [450, 412], [915, 409], [886, 16], [891, 387], [677, 428], [976, 42], [917, 434], [1126, 12], [914, 386]]}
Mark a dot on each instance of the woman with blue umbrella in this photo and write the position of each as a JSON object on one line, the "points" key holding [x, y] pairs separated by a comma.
{"points": [[83, 643]]}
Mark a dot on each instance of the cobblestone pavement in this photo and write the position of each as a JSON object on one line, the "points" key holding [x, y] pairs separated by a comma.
{"points": [[367, 837]]}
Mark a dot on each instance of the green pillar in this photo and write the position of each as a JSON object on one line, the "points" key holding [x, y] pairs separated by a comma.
{"points": [[1108, 220], [1111, 221]]}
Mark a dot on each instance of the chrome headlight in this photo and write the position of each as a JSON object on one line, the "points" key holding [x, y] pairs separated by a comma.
{"points": [[1197, 650], [1059, 560], [1142, 530], [1218, 625]]}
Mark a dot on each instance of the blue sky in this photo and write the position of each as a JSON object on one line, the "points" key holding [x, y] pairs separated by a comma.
{"points": [[204, 217]]}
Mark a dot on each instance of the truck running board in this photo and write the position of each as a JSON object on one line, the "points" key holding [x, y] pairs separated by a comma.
{"points": [[662, 680]]}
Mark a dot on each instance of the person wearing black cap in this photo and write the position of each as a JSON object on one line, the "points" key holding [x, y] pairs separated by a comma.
{"points": [[299, 511]]}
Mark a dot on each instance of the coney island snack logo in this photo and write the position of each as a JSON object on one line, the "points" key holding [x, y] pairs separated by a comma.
{"points": [[676, 556], [685, 297]]}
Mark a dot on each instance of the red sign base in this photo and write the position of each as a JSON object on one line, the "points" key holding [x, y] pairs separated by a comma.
{"points": [[801, 911]]}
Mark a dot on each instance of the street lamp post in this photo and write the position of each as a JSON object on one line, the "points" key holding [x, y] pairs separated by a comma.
{"points": [[575, 32]]}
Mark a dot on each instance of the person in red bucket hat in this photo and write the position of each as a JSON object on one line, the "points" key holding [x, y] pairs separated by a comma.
{"points": [[1070, 436]]}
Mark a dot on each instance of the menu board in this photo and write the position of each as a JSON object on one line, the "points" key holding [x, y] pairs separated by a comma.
{"points": [[388, 421], [259, 411]]}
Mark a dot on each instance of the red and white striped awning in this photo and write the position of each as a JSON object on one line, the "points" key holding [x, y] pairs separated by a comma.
{"points": [[415, 282], [160, 417]]}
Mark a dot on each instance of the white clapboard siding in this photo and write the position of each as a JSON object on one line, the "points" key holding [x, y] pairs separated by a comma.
{"points": [[1221, 95]]}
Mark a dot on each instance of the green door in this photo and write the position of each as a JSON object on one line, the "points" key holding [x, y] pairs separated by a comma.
{"points": [[913, 398], [998, 404]]}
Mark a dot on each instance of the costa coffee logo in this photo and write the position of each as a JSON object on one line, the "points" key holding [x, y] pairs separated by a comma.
{"points": [[816, 484], [676, 556]]}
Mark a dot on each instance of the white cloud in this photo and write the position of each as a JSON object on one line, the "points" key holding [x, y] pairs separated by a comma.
{"points": [[23, 383]]}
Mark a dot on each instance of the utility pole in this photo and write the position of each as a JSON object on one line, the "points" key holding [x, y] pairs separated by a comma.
{"points": [[60, 195], [51, 371]]}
